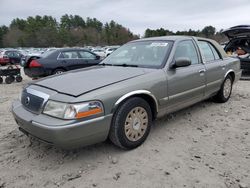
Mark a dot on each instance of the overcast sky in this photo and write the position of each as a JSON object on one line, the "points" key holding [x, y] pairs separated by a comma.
{"points": [[137, 15]]}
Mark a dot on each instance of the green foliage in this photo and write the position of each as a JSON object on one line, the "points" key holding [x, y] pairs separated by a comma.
{"points": [[3, 31], [72, 30], [208, 32]]}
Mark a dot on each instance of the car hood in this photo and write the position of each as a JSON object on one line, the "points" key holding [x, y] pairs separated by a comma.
{"points": [[237, 31], [81, 81]]}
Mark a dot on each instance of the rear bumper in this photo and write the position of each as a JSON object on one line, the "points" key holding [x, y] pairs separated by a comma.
{"points": [[64, 134], [4, 61], [36, 72]]}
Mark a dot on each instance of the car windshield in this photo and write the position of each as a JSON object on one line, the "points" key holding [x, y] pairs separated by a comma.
{"points": [[149, 54]]}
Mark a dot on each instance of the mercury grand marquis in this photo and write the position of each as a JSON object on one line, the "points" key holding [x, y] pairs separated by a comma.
{"points": [[121, 97]]}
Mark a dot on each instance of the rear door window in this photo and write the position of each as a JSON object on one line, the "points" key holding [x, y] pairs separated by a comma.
{"points": [[208, 51], [216, 55], [69, 55]]}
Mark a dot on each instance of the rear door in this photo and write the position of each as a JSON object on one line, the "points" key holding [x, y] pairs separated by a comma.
{"points": [[186, 85], [215, 66], [69, 60], [87, 59]]}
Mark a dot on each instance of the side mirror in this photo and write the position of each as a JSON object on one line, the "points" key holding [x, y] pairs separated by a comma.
{"points": [[97, 57], [181, 62]]}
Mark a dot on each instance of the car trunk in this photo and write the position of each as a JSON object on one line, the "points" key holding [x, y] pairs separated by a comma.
{"points": [[25, 61], [239, 44], [238, 31]]}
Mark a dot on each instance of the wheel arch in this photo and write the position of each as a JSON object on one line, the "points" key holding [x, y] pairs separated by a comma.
{"points": [[145, 94], [231, 73], [58, 68]]}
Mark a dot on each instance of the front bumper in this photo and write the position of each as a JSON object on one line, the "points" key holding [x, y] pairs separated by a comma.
{"points": [[62, 133]]}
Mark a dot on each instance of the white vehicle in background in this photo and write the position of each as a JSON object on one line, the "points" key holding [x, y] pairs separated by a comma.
{"points": [[99, 52], [110, 50]]}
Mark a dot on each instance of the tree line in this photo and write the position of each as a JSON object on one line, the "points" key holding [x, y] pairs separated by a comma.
{"points": [[207, 32], [72, 30]]}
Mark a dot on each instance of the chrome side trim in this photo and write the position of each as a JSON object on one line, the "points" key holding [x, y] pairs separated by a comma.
{"points": [[136, 93], [214, 82], [184, 93]]}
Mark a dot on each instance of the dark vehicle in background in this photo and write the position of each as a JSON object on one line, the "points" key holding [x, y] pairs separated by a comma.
{"points": [[58, 61], [239, 44], [10, 56]]}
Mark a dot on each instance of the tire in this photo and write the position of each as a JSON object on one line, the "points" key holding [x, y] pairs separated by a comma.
{"points": [[9, 67], [1, 80], [58, 71], [225, 91], [131, 135], [13, 78], [19, 78], [8, 80]]}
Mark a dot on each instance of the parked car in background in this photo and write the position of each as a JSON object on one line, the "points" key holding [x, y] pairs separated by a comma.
{"points": [[108, 51], [118, 99], [239, 44], [99, 52], [10, 56], [58, 61], [4, 59]]}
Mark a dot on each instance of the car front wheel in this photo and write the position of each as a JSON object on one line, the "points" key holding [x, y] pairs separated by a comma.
{"points": [[131, 123]]}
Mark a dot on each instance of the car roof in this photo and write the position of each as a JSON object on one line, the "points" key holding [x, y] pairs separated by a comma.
{"points": [[71, 49], [170, 38]]}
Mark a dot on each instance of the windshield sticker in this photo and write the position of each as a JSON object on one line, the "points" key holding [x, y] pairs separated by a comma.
{"points": [[159, 44]]}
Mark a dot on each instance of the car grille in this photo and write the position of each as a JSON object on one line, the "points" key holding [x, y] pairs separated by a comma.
{"points": [[32, 102]]}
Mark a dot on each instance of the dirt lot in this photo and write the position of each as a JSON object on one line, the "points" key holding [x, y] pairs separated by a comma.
{"points": [[206, 145]]}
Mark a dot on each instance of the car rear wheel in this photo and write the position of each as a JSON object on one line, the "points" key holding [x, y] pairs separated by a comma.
{"points": [[131, 123], [1, 80], [58, 71], [225, 91]]}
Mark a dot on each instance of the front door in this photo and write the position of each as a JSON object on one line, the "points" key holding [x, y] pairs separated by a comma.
{"points": [[186, 85]]}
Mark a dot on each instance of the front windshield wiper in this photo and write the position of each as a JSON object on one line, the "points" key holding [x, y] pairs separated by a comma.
{"points": [[105, 64], [125, 65]]}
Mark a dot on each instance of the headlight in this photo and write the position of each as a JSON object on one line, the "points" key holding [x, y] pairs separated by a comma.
{"points": [[73, 111]]}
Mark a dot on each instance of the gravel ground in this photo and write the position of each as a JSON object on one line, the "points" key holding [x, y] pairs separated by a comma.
{"points": [[206, 145]]}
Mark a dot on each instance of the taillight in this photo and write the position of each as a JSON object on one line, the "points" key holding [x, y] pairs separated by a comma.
{"points": [[34, 63]]}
